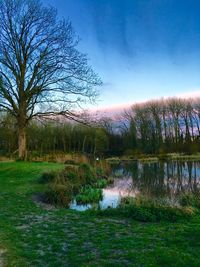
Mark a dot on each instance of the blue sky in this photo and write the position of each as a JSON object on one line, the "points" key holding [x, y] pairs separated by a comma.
{"points": [[142, 49]]}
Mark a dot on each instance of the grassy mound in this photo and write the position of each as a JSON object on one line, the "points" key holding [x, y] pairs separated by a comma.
{"points": [[81, 182]]}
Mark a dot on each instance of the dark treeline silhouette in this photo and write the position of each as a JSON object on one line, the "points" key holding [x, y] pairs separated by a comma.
{"points": [[171, 125], [53, 137], [163, 126]]}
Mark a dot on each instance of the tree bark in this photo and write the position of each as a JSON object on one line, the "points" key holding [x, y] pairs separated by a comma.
{"points": [[22, 143]]}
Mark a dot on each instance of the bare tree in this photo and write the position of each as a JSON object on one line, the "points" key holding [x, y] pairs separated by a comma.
{"points": [[41, 70]]}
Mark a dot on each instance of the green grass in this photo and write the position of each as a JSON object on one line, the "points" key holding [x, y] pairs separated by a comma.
{"points": [[148, 160], [33, 236], [155, 158], [193, 157], [179, 157]]}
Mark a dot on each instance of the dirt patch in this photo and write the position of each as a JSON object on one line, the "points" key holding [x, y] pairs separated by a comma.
{"points": [[2, 262], [5, 160], [39, 201]]}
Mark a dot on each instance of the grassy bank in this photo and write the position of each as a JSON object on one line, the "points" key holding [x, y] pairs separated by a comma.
{"points": [[31, 235], [82, 182], [155, 158]]}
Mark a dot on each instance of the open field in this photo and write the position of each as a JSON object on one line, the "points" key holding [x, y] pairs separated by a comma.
{"points": [[31, 235]]}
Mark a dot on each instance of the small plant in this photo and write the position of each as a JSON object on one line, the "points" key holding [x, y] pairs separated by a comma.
{"points": [[89, 195], [101, 183]]}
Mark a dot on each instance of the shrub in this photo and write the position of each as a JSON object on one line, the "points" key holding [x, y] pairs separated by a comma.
{"points": [[59, 194], [61, 186], [100, 172], [86, 173], [47, 177]]}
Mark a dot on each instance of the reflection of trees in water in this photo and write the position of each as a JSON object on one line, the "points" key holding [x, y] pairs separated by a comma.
{"points": [[163, 178], [183, 177]]}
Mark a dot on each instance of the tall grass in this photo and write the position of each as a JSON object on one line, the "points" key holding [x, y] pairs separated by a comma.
{"points": [[190, 199], [147, 210], [60, 157]]}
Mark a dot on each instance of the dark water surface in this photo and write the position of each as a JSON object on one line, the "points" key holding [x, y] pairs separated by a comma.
{"points": [[163, 180]]}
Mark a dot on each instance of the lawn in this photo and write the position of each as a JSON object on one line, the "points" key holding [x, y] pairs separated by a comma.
{"points": [[31, 235]]}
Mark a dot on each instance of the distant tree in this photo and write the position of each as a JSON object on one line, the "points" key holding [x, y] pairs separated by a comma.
{"points": [[41, 70], [101, 141]]}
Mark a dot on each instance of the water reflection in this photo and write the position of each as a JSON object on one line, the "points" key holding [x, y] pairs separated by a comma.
{"points": [[163, 180]]}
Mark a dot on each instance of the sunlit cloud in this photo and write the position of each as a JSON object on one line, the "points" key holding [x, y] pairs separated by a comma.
{"points": [[190, 94], [116, 110]]}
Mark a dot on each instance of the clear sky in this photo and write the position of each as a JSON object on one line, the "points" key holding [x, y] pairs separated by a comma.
{"points": [[142, 49]]}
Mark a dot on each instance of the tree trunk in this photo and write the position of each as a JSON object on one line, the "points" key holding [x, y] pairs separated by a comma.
{"points": [[22, 143]]}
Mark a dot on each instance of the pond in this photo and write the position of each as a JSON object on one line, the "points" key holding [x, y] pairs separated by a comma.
{"points": [[162, 180]]}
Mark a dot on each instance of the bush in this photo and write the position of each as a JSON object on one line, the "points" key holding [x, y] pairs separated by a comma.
{"points": [[74, 180], [59, 194]]}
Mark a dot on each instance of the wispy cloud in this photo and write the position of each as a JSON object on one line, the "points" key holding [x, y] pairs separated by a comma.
{"points": [[189, 94]]}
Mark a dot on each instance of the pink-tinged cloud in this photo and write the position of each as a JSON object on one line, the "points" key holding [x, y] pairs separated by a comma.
{"points": [[190, 94], [112, 111], [116, 110]]}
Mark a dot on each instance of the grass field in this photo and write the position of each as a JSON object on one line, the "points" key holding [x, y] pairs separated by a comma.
{"points": [[33, 236]]}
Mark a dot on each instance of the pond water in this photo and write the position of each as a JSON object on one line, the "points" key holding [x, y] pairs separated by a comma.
{"points": [[163, 180]]}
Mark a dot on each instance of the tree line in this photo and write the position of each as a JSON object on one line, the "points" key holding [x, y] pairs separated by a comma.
{"points": [[154, 127], [53, 137], [161, 126]]}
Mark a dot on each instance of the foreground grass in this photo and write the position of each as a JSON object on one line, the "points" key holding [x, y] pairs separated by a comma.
{"points": [[33, 236]]}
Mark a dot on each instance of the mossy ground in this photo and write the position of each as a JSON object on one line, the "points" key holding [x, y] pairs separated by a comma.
{"points": [[33, 236]]}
